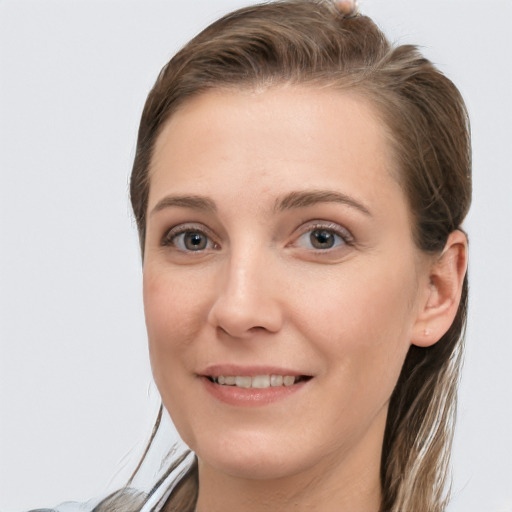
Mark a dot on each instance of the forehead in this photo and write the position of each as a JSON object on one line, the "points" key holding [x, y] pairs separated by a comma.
{"points": [[287, 136]]}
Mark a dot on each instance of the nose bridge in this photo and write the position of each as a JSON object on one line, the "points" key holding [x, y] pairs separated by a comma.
{"points": [[245, 298], [245, 271]]}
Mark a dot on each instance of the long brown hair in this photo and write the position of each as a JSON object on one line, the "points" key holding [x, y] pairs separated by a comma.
{"points": [[309, 42]]}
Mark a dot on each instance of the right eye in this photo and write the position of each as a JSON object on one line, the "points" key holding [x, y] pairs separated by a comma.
{"points": [[188, 239]]}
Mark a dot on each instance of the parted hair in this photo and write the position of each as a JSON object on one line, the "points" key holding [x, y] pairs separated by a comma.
{"points": [[311, 43]]}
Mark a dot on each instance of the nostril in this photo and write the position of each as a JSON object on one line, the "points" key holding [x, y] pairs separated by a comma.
{"points": [[252, 330]]}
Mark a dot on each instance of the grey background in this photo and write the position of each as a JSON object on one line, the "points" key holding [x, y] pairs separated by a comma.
{"points": [[74, 375]]}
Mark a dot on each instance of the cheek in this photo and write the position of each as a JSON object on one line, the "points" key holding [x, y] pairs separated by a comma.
{"points": [[173, 321], [174, 316], [362, 322]]}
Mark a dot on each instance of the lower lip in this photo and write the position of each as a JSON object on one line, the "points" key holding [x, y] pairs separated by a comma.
{"points": [[250, 397]]}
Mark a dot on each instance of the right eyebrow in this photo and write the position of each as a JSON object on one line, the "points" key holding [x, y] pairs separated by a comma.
{"points": [[194, 202]]}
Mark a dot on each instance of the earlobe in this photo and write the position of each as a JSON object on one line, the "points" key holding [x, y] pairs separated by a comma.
{"points": [[446, 277]]}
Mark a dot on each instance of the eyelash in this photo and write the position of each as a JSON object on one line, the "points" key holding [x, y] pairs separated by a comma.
{"points": [[170, 238]]}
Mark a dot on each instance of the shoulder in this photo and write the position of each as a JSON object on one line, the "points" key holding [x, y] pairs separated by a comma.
{"points": [[70, 506], [125, 500]]}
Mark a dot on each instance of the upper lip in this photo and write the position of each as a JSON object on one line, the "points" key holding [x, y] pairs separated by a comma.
{"points": [[249, 371]]}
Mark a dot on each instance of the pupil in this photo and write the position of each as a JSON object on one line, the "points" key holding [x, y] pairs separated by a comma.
{"points": [[195, 241], [322, 239]]}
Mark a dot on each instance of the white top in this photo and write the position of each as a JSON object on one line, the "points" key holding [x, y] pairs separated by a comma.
{"points": [[154, 503], [73, 506]]}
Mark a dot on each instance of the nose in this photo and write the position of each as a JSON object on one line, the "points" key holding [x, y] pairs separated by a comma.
{"points": [[248, 299]]}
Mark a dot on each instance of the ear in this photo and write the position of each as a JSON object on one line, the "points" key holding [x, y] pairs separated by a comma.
{"points": [[442, 295]]}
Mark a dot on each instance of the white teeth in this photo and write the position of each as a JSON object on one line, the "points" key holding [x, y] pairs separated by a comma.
{"points": [[258, 381], [243, 382], [276, 380], [261, 381], [288, 380]]}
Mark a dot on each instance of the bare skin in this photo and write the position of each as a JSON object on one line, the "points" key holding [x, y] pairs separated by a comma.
{"points": [[279, 242]]}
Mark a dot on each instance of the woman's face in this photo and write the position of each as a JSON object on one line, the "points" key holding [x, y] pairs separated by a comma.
{"points": [[279, 256]]}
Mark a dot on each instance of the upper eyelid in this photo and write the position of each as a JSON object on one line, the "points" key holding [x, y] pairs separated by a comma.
{"points": [[328, 225]]}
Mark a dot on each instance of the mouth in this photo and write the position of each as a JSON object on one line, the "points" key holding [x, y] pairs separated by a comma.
{"points": [[258, 381], [256, 385]]}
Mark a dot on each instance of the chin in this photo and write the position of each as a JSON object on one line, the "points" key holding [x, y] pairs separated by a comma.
{"points": [[255, 457], [255, 466]]}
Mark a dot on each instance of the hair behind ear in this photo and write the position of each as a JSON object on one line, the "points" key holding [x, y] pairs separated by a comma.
{"points": [[421, 418]]}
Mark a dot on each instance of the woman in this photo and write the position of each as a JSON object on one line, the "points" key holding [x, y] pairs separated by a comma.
{"points": [[299, 187]]}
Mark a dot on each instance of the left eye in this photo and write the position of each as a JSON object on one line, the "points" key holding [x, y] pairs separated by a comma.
{"points": [[321, 238]]}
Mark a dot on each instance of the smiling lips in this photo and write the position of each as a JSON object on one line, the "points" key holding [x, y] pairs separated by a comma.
{"points": [[242, 387]]}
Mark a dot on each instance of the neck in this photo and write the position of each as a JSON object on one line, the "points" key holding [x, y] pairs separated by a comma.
{"points": [[297, 494], [350, 483]]}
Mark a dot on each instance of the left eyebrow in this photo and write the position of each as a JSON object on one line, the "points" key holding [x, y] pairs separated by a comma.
{"points": [[303, 199]]}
